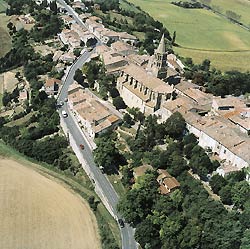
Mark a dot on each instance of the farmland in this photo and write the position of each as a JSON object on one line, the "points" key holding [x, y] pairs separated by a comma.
{"points": [[240, 7], [3, 6], [5, 39], [38, 211], [202, 34]]}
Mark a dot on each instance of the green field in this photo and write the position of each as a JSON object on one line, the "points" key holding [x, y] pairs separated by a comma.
{"points": [[241, 7], [3, 6], [203, 34], [5, 39]]}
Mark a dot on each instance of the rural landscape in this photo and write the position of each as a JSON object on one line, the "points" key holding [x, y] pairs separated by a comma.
{"points": [[202, 34], [124, 124]]}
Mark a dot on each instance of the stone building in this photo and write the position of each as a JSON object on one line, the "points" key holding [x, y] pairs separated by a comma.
{"points": [[138, 89]]}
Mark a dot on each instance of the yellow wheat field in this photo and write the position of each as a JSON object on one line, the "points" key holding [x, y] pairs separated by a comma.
{"points": [[39, 213]]}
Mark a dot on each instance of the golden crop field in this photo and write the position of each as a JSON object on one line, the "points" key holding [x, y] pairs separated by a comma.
{"points": [[38, 212]]}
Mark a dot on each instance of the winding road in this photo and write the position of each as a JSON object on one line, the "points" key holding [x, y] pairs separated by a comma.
{"points": [[103, 187]]}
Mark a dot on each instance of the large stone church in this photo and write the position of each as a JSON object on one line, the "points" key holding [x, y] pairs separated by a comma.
{"points": [[146, 89]]}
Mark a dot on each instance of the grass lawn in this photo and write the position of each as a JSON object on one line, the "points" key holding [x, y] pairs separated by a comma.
{"points": [[117, 184], [20, 121], [204, 30], [1, 98], [3, 6], [5, 39]]}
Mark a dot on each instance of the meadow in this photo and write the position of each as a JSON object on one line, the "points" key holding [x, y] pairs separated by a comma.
{"points": [[240, 7], [3, 6], [5, 39], [202, 34]]}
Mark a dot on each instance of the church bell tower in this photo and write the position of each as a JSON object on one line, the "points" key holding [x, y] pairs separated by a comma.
{"points": [[160, 65]]}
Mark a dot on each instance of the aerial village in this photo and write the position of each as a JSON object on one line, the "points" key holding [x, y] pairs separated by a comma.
{"points": [[153, 84]]}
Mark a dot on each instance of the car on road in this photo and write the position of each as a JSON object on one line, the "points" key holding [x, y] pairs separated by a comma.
{"points": [[64, 114], [121, 223], [66, 100], [81, 146], [101, 169]]}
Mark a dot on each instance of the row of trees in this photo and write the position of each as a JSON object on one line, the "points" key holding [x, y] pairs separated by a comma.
{"points": [[188, 5], [216, 82]]}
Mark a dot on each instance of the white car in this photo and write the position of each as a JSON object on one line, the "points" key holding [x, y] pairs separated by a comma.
{"points": [[64, 114]]}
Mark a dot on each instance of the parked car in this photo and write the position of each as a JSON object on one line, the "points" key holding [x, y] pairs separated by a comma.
{"points": [[81, 146], [64, 114], [121, 223]]}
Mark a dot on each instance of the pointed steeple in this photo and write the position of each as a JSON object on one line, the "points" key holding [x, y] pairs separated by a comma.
{"points": [[161, 48]]}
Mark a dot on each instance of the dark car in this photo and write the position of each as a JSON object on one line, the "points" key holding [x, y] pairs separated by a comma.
{"points": [[81, 146], [121, 223]]}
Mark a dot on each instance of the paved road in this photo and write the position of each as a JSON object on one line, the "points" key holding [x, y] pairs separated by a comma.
{"points": [[104, 188]]}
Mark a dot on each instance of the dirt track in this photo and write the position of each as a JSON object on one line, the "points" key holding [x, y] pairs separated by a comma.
{"points": [[39, 213]]}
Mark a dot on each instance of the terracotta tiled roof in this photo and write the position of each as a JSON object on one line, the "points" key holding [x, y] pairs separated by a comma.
{"points": [[51, 81], [147, 80]]}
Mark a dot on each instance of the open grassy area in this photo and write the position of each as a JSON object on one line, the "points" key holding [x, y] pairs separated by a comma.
{"points": [[201, 29], [3, 6], [5, 39], [117, 184], [240, 7]]}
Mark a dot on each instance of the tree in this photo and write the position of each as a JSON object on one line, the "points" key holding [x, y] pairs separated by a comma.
{"points": [[190, 235], [92, 203], [177, 165], [245, 241], [128, 121], [53, 7], [6, 98], [174, 37], [240, 193], [107, 155], [79, 76], [137, 203], [217, 182], [175, 126], [225, 195], [147, 233], [119, 103]]}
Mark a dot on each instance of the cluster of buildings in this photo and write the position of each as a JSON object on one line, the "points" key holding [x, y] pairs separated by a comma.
{"points": [[153, 84], [93, 117], [74, 34], [167, 183]]}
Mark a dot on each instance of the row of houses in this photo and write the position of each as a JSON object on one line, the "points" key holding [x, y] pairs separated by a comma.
{"points": [[93, 117], [94, 25], [223, 130]]}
